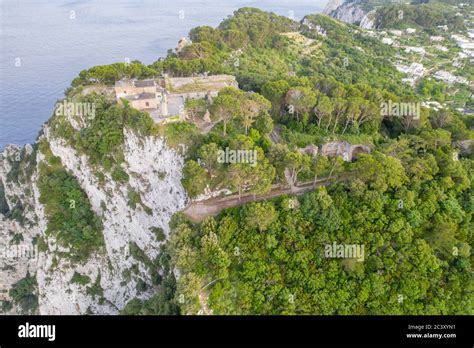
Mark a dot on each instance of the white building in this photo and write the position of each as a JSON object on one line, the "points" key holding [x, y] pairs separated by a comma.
{"points": [[414, 72], [436, 38], [449, 78], [463, 41], [415, 69], [432, 105], [419, 50], [466, 44]]}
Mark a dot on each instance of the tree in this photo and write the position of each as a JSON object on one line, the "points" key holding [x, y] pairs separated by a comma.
{"points": [[368, 111], [264, 123], [199, 50], [226, 106], [217, 259], [260, 215], [262, 175], [275, 92], [337, 165], [319, 164], [277, 156], [295, 163], [195, 107], [238, 177], [188, 292], [380, 171], [323, 109], [209, 157], [250, 106], [352, 113], [235, 38], [408, 122], [247, 120], [441, 118], [339, 110], [300, 100], [194, 178], [205, 33]]}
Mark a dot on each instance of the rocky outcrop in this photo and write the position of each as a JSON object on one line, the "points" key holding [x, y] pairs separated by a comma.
{"points": [[350, 12], [332, 5], [368, 21]]}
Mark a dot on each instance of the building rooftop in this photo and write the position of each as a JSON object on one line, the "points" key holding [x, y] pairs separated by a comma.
{"points": [[135, 83], [175, 104], [144, 83], [123, 83], [141, 96]]}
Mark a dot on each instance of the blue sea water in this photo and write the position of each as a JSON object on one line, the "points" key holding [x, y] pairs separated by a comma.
{"points": [[44, 44]]}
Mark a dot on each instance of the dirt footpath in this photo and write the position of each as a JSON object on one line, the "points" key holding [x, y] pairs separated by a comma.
{"points": [[198, 211]]}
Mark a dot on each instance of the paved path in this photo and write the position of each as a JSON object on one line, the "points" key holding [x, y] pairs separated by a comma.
{"points": [[275, 134], [198, 211]]}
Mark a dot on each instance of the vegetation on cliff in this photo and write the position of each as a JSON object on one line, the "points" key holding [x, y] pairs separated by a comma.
{"points": [[71, 220]]}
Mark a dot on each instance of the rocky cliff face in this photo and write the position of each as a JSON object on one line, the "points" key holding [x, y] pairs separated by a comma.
{"points": [[20, 218], [332, 5], [114, 275], [368, 21], [350, 12]]}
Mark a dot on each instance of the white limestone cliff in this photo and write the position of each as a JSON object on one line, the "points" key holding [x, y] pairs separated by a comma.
{"points": [[154, 170], [350, 12], [18, 255]]}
